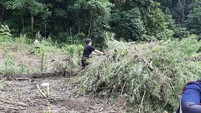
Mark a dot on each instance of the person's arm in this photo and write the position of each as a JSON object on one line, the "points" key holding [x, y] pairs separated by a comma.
{"points": [[97, 52], [191, 99]]}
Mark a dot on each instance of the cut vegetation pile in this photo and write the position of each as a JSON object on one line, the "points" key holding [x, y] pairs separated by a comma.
{"points": [[150, 76]]}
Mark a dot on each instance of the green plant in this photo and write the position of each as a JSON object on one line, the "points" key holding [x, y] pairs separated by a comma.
{"points": [[74, 53], [9, 64], [181, 32], [48, 110], [5, 31], [22, 68], [165, 34], [41, 52]]}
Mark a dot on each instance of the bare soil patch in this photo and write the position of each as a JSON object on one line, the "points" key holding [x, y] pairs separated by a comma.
{"points": [[24, 97]]}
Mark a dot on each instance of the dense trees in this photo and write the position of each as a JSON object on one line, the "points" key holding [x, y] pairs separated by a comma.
{"points": [[59, 19], [128, 24], [137, 18], [179, 8], [72, 20], [185, 12], [193, 22]]}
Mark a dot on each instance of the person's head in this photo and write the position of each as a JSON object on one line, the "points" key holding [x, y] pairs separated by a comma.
{"points": [[88, 41]]}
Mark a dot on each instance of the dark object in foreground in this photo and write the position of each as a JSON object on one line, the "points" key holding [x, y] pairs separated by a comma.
{"points": [[190, 101]]}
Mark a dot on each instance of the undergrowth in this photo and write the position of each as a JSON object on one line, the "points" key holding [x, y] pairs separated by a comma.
{"points": [[20, 55]]}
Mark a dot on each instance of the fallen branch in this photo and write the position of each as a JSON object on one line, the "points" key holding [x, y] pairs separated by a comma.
{"points": [[148, 64], [21, 79], [122, 90], [30, 100], [13, 102], [141, 104], [41, 92]]}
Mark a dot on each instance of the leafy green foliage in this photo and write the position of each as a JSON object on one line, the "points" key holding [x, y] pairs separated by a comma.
{"points": [[4, 31], [64, 20], [193, 22], [128, 25], [94, 18], [180, 32], [74, 53], [154, 18], [179, 8], [9, 64], [166, 34], [24, 14], [134, 18]]}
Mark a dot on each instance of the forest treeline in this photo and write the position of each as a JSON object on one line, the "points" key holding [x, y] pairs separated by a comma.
{"points": [[130, 20]]}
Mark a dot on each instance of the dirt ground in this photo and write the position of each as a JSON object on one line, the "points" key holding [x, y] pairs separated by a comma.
{"points": [[64, 97]]}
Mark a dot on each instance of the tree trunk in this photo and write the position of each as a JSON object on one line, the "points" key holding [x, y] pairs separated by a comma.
{"points": [[45, 28], [90, 24], [2, 15], [66, 26], [184, 9], [78, 29], [182, 15], [32, 24], [22, 25]]}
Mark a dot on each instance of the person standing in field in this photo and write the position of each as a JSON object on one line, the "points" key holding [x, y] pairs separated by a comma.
{"points": [[88, 51]]}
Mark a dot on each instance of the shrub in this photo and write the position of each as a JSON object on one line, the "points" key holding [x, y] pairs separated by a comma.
{"points": [[5, 31], [165, 34], [180, 32], [74, 53]]}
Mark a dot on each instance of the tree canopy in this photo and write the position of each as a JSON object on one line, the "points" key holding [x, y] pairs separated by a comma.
{"points": [[74, 20]]}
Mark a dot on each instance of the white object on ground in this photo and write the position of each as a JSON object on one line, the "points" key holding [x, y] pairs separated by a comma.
{"points": [[47, 86]]}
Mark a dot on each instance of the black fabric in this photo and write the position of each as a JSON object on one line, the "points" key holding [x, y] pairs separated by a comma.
{"points": [[86, 54], [178, 110], [84, 62], [87, 51]]}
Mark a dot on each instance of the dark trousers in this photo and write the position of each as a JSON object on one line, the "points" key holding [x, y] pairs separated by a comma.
{"points": [[84, 62]]}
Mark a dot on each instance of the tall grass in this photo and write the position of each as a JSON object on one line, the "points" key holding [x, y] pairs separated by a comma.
{"points": [[19, 55]]}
